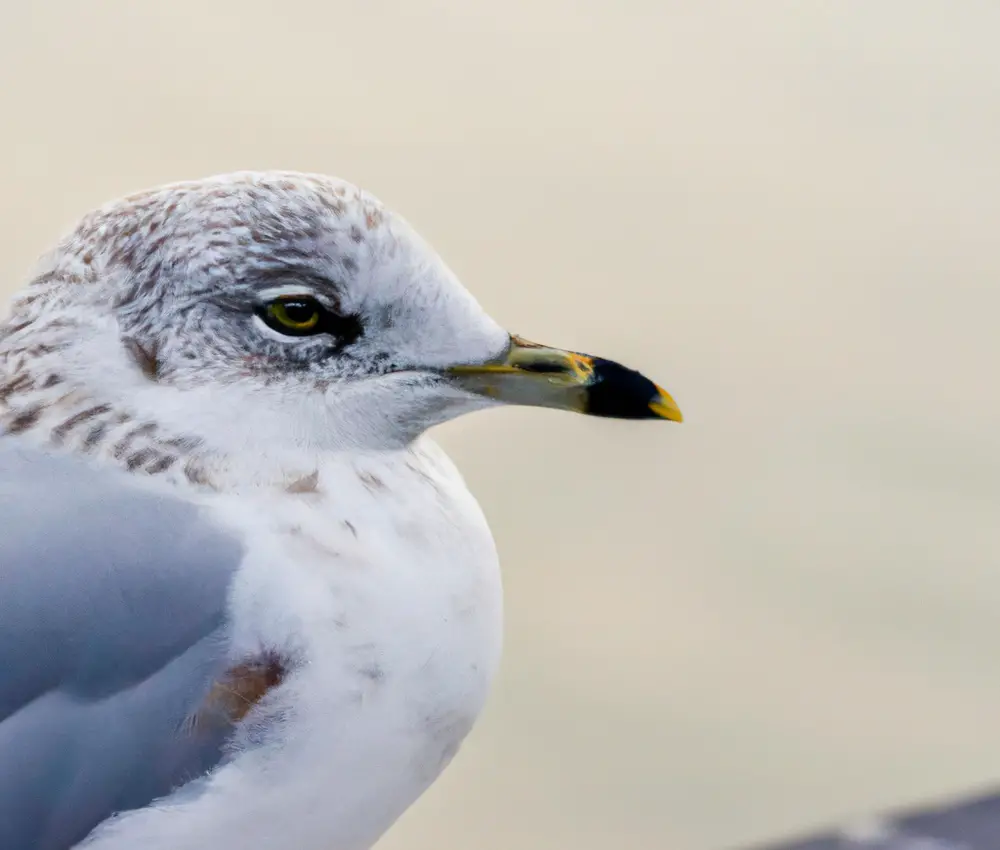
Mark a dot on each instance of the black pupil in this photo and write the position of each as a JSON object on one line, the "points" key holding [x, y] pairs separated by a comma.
{"points": [[300, 312]]}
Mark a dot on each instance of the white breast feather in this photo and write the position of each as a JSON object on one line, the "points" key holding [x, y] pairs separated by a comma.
{"points": [[384, 585]]}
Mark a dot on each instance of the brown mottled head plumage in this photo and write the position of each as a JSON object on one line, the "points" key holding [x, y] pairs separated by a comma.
{"points": [[295, 303]]}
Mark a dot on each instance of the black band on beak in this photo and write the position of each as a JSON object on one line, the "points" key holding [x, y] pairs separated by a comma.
{"points": [[618, 392]]}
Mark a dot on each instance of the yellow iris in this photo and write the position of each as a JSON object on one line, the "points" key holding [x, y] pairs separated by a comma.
{"points": [[295, 314]]}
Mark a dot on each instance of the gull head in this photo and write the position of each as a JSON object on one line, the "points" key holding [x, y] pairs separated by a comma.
{"points": [[265, 308]]}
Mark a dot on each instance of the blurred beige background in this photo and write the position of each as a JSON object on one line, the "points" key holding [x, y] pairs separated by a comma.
{"points": [[781, 612]]}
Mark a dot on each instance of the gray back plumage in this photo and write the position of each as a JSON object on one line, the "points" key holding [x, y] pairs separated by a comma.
{"points": [[112, 631]]}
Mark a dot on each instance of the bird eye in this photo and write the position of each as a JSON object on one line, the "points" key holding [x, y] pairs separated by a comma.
{"points": [[303, 315], [295, 315]]}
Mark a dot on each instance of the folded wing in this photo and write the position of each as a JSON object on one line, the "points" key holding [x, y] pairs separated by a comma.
{"points": [[112, 632]]}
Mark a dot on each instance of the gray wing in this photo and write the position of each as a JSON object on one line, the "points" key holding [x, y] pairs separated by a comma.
{"points": [[969, 823], [112, 629]]}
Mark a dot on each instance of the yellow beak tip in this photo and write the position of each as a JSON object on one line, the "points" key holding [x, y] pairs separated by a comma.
{"points": [[666, 408]]}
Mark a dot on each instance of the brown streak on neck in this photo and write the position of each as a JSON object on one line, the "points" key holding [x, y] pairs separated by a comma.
{"points": [[145, 358]]}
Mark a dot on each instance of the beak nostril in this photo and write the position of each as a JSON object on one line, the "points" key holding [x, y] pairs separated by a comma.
{"points": [[542, 368]]}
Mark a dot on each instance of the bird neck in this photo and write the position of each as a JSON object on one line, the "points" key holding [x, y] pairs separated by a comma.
{"points": [[43, 406], [64, 385]]}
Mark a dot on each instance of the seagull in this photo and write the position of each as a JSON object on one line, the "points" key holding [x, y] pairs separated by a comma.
{"points": [[244, 601]]}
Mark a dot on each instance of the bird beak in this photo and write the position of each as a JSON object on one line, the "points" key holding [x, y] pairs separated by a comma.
{"points": [[532, 374]]}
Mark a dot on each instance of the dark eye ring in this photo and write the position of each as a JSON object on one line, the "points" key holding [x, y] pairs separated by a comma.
{"points": [[303, 315], [294, 315]]}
